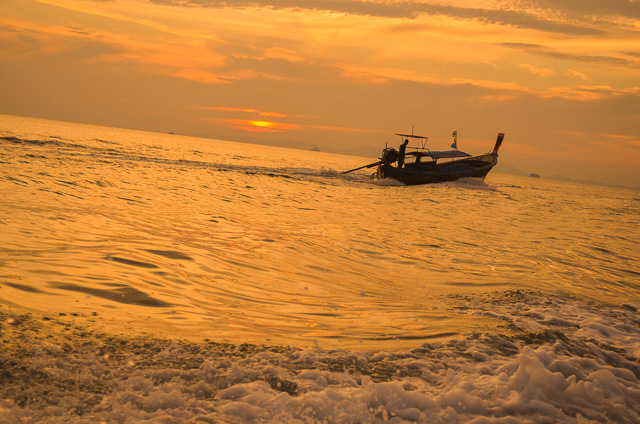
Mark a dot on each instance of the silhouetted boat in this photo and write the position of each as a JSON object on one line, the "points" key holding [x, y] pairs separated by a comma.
{"points": [[423, 166]]}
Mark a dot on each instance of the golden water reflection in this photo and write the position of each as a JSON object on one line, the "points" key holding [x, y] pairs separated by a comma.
{"points": [[186, 237]]}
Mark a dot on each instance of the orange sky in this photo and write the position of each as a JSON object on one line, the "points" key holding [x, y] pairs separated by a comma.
{"points": [[560, 77]]}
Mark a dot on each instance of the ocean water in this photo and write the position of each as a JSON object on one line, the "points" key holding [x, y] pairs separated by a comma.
{"points": [[150, 277]]}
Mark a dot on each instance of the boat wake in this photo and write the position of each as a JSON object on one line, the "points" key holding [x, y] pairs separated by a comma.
{"points": [[98, 149]]}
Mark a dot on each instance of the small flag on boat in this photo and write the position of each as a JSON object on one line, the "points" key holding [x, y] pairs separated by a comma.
{"points": [[454, 145]]}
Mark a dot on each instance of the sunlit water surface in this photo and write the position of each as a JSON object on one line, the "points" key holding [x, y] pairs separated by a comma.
{"points": [[160, 233], [135, 267]]}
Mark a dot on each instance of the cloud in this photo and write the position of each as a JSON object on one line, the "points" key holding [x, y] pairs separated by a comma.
{"points": [[574, 73], [535, 70], [385, 75], [224, 56], [582, 8], [244, 110], [185, 58], [630, 141], [499, 91], [271, 126], [294, 122], [495, 98], [258, 125], [613, 149], [404, 10], [176, 58], [255, 125], [595, 59], [587, 93]]}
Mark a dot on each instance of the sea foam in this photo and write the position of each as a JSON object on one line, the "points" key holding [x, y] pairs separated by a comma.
{"points": [[544, 370]]}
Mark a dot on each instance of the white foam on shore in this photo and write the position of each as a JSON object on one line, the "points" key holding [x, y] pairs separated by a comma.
{"points": [[567, 362]]}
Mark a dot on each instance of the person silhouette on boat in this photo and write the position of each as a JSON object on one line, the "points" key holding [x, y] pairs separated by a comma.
{"points": [[401, 152]]}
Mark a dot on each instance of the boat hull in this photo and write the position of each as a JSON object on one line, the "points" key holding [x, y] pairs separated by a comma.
{"points": [[432, 172]]}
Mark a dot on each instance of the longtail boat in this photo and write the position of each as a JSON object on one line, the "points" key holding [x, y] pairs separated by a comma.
{"points": [[423, 166]]}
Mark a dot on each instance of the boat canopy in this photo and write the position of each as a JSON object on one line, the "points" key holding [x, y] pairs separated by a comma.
{"points": [[440, 155], [412, 136], [422, 151]]}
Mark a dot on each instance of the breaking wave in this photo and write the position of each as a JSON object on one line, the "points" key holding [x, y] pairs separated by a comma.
{"points": [[561, 361]]}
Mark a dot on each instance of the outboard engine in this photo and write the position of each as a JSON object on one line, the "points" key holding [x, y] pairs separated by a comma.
{"points": [[389, 155]]}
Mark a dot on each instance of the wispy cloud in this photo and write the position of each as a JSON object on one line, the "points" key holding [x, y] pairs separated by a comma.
{"points": [[255, 125], [531, 14], [581, 9], [260, 125], [225, 57], [536, 70], [587, 93], [502, 90], [385, 75], [171, 57], [541, 50], [272, 126], [244, 110], [632, 141], [613, 149], [574, 73]]}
